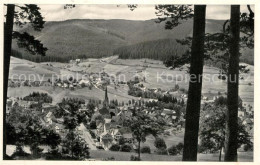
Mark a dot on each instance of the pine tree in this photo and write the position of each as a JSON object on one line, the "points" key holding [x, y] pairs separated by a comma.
{"points": [[233, 80], [26, 14]]}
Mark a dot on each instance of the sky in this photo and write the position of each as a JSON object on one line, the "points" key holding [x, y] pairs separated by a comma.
{"points": [[142, 12]]}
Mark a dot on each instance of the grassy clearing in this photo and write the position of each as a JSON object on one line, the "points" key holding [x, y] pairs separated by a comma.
{"points": [[125, 156]]}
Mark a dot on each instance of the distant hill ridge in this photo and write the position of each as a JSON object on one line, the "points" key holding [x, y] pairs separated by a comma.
{"points": [[84, 38]]}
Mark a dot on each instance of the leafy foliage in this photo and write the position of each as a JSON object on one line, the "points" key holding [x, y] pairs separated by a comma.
{"points": [[114, 147], [212, 128], [27, 41], [176, 13], [216, 44], [143, 125], [173, 150], [160, 143], [25, 128], [146, 149], [39, 97], [29, 14], [75, 147], [126, 148]]}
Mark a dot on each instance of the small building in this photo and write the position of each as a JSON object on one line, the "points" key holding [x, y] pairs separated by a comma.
{"points": [[25, 104], [47, 107], [78, 61], [100, 128], [168, 112], [106, 140], [71, 86], [65, 85], [116, 134], [84, 83], [59, 84]]}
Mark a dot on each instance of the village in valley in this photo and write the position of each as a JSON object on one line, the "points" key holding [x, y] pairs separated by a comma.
{"points": [[103, 123]]}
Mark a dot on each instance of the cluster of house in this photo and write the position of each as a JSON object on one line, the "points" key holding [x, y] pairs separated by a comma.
{"points": [[99, 83], [19, 83], [112, 128], [109, 131], [98, 80], [13, 102]]}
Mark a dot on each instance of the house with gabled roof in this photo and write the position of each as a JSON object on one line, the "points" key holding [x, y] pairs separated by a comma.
{"points": [[100, 128], [116, 134], [106, 140], [47, 107]]}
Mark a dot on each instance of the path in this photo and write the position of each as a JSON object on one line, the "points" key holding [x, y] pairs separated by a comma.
{"points": [[87, 137]]}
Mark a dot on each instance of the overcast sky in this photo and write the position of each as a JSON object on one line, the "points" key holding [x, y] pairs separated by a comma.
{"points": [[143, 12]]}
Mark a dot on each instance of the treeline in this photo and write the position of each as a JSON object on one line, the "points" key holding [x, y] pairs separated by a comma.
{"points": [[158, 50], [167, 49], [38, 58], [58, 58], [39, 97]]}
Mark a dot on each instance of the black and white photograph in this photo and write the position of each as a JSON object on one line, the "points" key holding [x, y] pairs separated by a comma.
{"points": [[128, 82]]}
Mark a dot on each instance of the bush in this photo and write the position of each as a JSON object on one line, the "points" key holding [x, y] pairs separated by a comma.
{"points": [[160, 143], [134, 158], [126, 148], [173, 150], [180, 147], [92, 125], [146, 149], [248, 148], [161, 152], [114, 147], [121, 141]]}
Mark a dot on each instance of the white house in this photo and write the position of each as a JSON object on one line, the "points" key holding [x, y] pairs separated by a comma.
{"points": [[77, 60]]}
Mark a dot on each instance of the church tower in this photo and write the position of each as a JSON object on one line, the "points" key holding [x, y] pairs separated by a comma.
{"points": [[106, 101]]}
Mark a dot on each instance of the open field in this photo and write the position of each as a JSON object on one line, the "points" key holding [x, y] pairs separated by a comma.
{"points": [[58, 93], [169, 140]]}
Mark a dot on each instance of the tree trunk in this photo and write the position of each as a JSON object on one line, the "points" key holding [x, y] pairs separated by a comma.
{"points": [[139, 150], [232, 94], [195, 85], [220, 152], [8, 30]]}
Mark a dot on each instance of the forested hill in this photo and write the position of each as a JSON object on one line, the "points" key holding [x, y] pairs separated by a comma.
{"points": [[86, 38], [159, 50]]}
